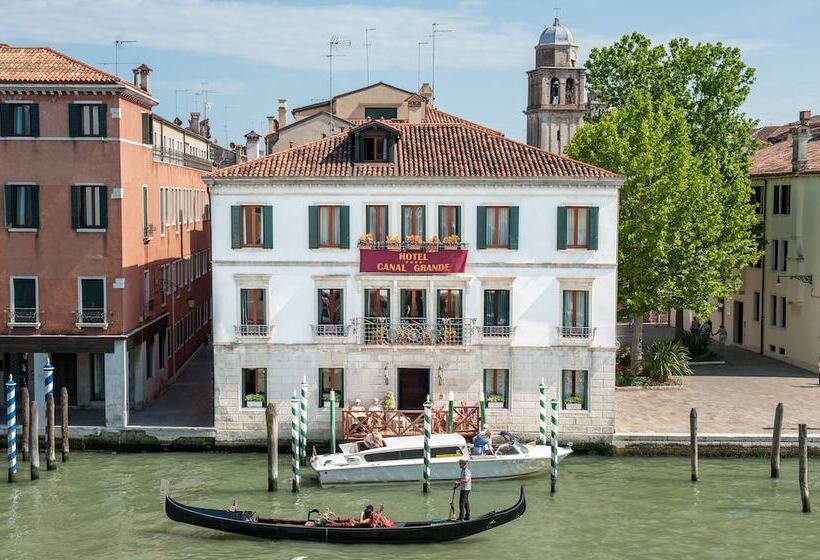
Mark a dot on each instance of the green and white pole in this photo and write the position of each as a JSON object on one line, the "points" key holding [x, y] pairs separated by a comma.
{"points": [[294, 439], [428, 423], [542, 412], [451, 413], [554, 450], [303, 421], [332, 421], [482, 409]]}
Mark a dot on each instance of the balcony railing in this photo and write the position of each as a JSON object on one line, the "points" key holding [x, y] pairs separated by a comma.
{"points": [[416, 332], [91, 318], [330, 330], [576, 332], [147, 231], [23, 317], [179, 157], [357, 424], [497, 331], [249, 331], [408, 246]]}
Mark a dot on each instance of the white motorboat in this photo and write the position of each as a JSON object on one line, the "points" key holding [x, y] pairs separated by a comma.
{"points": [[401, 460]]}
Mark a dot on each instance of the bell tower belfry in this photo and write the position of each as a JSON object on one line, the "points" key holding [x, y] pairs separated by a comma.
{"points": [[555, 98]]}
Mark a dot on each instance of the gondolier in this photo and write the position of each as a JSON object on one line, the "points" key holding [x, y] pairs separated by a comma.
{"points": [[465, 484]]}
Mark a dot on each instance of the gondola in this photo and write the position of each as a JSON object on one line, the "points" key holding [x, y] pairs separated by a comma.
{"points": [[249, 524]]}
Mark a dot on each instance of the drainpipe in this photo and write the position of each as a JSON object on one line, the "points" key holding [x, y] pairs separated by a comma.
{"points": [[763, 298]]}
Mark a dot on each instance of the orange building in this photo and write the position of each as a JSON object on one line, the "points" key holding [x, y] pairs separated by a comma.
{"points": [[105, 253]]}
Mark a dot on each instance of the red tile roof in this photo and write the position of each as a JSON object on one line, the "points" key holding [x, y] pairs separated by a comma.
{"points": [[434, 115], [458, 149], [777, 159], [43, 65]]}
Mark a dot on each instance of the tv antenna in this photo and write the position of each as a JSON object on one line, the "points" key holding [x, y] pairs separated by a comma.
{"points": [[435, 32], [118, 43], [367, 50], [176, 100], [205, 102], [334, 42], [226, 122], [418, 64]]}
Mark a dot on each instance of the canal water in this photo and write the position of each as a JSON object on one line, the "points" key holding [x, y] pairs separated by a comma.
{"points": [[108, 506]]}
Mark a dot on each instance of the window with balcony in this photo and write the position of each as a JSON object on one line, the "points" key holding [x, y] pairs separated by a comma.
{"points": [[497, 313], [331, 379], [496, 388], [376, 323], [24, 304], [330, 312], [329, 227], [450, 323], [413, 305], [413, 221], [254, 387], [87, 119], [19, 119], [89, 206], [576, 314], [449, 222], [574, 389], [92, 302], [377, 222], [497, 227], [22, 206], [577, 227], [253, 312]]}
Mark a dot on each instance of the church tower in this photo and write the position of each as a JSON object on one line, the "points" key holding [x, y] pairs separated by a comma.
{"points": [[555, 99]]}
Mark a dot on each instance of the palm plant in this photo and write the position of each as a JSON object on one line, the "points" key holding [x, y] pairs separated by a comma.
{"points": [[665, 359]]}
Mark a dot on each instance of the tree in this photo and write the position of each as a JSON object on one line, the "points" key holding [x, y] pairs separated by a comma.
{"points": [[713, 232]]}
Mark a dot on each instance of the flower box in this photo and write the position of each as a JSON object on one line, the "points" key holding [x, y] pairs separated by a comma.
{"points": [[495, 405], [254, 404], [574, 406]]}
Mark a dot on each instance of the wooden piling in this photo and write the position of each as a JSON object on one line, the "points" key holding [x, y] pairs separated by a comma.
{"points": [[34, 443], [64, 435], [693, 442], [804, 467], [778, 427], [23, 419], [51, 457], [273, 447]]}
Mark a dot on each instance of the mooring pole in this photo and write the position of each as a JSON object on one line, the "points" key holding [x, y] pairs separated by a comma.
{"points": [[482, 409], [554, 448], [294, 440], [51, 436], [303, 421], [272, 425], [428, 422], [804, 467], [64, 430], [34, 441], [542, 412], [332, 405], [693, 443], [451, 413], [11, 433], [24, 419], [778, 426]]}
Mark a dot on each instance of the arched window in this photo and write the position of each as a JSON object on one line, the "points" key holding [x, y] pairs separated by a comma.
{"points": [[570, 93], [555, 87]]}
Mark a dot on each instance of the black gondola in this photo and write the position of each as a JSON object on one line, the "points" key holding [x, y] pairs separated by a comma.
{"points": [[248, 523]]}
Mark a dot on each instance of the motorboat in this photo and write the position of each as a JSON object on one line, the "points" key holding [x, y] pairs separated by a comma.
{"points": [[402, 458]]}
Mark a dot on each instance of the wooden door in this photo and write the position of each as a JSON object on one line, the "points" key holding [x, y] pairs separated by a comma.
{"points": [[65, 375], [414, 386]]}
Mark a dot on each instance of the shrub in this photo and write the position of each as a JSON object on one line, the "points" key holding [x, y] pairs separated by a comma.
{"points": [[664, 359], [696, 343], [389, 401]]}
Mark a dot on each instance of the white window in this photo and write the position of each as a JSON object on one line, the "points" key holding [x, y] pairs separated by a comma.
{"points": [[163, 210]]}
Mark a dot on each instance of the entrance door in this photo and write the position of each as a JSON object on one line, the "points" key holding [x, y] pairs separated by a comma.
{"points": [[414, 386], [738, 334], [65, 375]]}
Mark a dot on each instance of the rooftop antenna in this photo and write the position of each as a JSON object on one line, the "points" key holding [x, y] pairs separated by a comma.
{"points": [[205, 102], [367, 50], [226, 123], [556, 10], [118, 43], [334, 42], [418, 65], [176, 100], [435, 32]]}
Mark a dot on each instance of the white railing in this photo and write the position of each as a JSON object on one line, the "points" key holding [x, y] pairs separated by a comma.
{"points": [[23, 317], [330, 330], [576, 332], [91, 318], [497, 331], [253, 330], [416, 332]]}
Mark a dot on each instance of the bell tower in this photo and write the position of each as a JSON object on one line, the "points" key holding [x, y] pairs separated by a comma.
{"points": [[555, 98]]}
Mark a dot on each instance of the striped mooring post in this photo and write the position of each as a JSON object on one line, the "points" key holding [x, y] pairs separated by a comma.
{"points": [[554, 450], [451, 413], [11, 434], [294, 440], [542, 412], [48, 369], [303, 421], [428, 424], [332, 421], [482, 409]]}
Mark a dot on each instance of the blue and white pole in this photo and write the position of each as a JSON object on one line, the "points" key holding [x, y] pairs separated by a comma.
{"points": [[554, 450], [11, 434], [48, 369]]}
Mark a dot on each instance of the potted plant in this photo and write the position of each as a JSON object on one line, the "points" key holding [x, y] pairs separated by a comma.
{"points": [[574, 403], [414, 241], [451, 241], [366, 240], [495, 400], [389, 401], [434, 243], [393, 242], [326, 397], [255, 400]]}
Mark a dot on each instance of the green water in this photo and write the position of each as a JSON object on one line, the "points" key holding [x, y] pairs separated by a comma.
{"points": [[108, 506]]}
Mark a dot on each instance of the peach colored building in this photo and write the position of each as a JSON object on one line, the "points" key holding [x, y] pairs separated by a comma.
{"points": [[105, 249]]}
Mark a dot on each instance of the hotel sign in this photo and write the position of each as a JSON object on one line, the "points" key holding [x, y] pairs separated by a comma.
{"points": [[445, 261]]}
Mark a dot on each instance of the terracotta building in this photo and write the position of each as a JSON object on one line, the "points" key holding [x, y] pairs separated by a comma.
{"points": [[104, 257]]}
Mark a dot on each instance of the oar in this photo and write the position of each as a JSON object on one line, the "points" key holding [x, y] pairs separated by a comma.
{"points": [[453, 506]]}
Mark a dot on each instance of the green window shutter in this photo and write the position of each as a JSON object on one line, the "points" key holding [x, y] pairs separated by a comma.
{"points": [[358, 148], [585, 299], [236, 225], [481, 227], [103, 114], [35, 206], [147, 125], [267, 227], [562, 227], [74, 120], [104, 206], [344, 219], [593, 228], [5, 119], [341, 307], [9, 199], [403, 223], [513, 244], [35, 119], [76, 191], [313, 227]]}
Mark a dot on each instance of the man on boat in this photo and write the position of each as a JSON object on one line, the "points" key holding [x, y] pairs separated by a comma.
{"points": [[465, 483]]}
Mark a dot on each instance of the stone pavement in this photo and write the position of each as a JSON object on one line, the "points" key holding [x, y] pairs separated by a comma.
{"points": [[739, 397], [188, 401]]}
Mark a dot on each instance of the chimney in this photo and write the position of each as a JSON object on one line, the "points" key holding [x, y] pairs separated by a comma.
{"points": [[273, 125], [800, 143], [205, 128], [252, 145], [426, 92], [193, 124], [141, 74], [283, 113]]}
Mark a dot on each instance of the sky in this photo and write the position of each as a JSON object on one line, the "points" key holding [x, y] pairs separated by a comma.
{"points": [[247, 54]]}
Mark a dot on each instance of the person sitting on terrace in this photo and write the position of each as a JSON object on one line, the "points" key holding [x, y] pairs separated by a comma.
{"points": [[376, 405]]}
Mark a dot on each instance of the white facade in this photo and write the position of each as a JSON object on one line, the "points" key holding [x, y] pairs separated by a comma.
{"points": [[536, 274]]}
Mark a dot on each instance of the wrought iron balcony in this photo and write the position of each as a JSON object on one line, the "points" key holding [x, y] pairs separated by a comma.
{"points": [[147, 232], [497, 331], [416, 332], [330, 330], [91, 318], [579, 334], [179, 157], [23, 317], [253, 331]]}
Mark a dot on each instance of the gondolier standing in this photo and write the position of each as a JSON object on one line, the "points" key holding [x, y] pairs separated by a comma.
{"points": [[466, 484]]}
